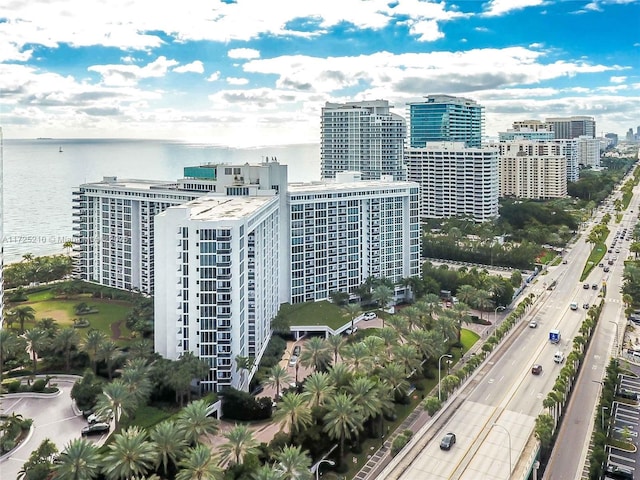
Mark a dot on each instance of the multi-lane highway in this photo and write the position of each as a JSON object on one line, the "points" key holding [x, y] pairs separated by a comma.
{"points": [[494, 420]]}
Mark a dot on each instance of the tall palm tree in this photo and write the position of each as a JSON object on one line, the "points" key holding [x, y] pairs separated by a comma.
{"points": [[412, 314], [194, 422], [382, 294], [79, 460], [342, 420], [240, 442], [407, 356], [36, 340], [116, 400], [170, 444], [374, 346], [467, 294], [363, 390], [427, 342], [318, 388], [459, 314], [243, 365], [199, 464], [394, 375], [389, 336], [130, 455], [352, 312], [446, 327], [23, 314], [315, 354], [483, 301], [65, 341], [293, 463], [108, 352], [141, 348], [278, 376], [293, 413], [135, 375], [357, 357], [92, 345], [267, 472], [335, 343]]}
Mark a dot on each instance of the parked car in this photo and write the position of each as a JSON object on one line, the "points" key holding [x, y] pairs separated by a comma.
{"points": [[369, 316], [296, 350], [95, 418], [293, 360], [448, 441], [536, 369], [349, 331], [95, 429], [628, 394], [617, 472]]}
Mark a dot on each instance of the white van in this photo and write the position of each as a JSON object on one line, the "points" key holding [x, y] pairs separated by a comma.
{"points": [[558, 357]]}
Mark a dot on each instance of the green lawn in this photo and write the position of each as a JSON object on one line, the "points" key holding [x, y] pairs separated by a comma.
{"points": [[595, 257], [315, 313], [468, 339], [62, 310]]}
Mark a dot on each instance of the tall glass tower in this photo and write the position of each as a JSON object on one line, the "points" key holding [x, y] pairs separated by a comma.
{"points": [[443, 118]]}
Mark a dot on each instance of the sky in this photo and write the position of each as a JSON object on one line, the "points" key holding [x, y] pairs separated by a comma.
{"points": [[258, 72]]}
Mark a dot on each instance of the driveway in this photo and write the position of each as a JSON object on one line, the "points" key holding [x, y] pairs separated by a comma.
{"points": [[53, 418]]}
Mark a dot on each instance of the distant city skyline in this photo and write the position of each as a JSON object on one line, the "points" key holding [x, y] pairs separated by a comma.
{"points": [[250, 72]]}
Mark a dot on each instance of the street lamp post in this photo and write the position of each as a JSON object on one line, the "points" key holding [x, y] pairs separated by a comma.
{"points": [[446, 355], [316, 467], [509, 437]]}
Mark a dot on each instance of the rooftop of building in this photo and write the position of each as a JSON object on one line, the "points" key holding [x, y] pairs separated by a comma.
{"points": [[355, 185], [222, 207], [132, 184]]}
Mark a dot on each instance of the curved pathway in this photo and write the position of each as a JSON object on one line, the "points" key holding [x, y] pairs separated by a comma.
{"points": [[53, 417]]}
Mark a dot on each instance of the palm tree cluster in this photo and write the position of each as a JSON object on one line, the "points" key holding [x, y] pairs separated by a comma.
{"points": [[37, 269], [356, 383]]}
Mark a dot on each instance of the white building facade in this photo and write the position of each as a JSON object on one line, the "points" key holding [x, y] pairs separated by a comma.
{"points": [[342, 233], [364, 137], [588, 151], [217, 286], [537, 177], [455, 181]]}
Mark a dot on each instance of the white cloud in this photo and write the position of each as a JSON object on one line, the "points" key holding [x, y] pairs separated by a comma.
{"points": [[248, 53], [502, 7], [127, 75], [193, 67], [237, 81], [620, 79], [214, 76]]}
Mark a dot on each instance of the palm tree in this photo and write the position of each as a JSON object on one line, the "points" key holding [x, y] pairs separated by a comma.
{"points": [[141, 348], [340, 375], [135, 375], [335, 343], [446, 327], [79, 460], [10, 343], [293, 463], [412, 314], [394, 375], [467, 294], [353, 310], [342, 420], [407, 356], [199, 464], [357, 357], [68, 245], [315, 354], [363, 390], [24, 313], [267, 472], [293, 413], [130, 455], [108, 352], [93, 344], [169, 443], [240, 443], [277, 377], [36, 340], [194, 422], [65, 341], [382, 294], [243, 365], [116, 400], [318, 388]]}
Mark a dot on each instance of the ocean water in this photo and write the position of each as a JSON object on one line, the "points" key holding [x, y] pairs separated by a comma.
{"points": [[39, 178]]}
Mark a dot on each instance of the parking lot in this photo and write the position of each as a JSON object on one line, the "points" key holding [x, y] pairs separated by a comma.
{"points": [[625, 425]]}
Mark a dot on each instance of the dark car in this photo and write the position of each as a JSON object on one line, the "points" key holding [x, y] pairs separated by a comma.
{"points": [[606, 269], [95, 429], [594, 286], [448, 441], [536, 369], [628, 394], [616, 472], [296, 350], [585, 306], [585, 286]]}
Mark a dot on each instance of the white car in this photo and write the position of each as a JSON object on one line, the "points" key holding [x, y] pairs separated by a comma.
{"points": [[369, 316], [349, 331], [533, 324]]}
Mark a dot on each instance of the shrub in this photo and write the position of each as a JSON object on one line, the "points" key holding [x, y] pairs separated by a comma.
{"points": [[39, 385], [13, 387], [238, 405], [400, 441]]}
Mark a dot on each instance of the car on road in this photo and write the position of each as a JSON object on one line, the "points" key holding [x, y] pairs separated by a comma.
{"points": [[585, 286], [296, 350], [293, 360], [95, 429], [606, 269], [558, 357], [564, 262], [585, 306], [369, 316], [594, 286], [448, 441], [536, 369], [617, 250], [533, 324], [610, 262]]}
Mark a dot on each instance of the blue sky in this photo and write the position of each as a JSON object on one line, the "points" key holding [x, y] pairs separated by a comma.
{"points": [[257, 72]]}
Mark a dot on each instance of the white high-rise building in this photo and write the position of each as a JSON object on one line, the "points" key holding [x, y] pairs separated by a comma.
{"points": [[217, 286], [364, 137], [455, 180], [588, 151], [344, 232], [564, 147], [114, 218]]}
